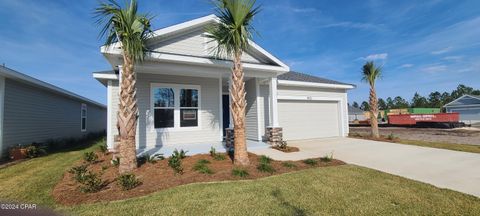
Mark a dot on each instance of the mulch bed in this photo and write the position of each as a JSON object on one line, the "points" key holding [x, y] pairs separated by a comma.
{"points": [[159, 176], [286, 150]]}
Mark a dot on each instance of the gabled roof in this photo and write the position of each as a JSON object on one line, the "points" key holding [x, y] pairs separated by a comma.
{"points": [[465, 100], [354, 110], [179, 29], [15, 75], [293, 78]]}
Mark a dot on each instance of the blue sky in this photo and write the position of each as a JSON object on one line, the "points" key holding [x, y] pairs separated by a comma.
{"points": [[423, 45]]}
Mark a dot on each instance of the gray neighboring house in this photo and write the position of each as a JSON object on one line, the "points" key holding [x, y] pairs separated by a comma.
{"points": [[35, 111], [469, 108], [355, 114]]}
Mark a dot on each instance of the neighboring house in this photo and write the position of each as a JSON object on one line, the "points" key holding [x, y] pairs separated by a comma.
{"points": [[35, 111], [355, 114], [183, 93], [469, 108]]}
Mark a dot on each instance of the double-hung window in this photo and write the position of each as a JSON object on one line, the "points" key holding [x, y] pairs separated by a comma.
{"points": [[83, 118], [175, 106]]}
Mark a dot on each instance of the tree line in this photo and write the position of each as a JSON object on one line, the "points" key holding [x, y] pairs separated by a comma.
{"points": [[433, 100]]}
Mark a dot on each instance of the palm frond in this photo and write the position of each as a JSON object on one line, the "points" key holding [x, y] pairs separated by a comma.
{"points": [[371, 72]]}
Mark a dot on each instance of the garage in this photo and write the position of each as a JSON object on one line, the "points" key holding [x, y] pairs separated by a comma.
{"points": [[303, 119]]}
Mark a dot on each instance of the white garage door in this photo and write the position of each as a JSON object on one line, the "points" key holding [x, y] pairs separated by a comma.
{"points": [[308, 119]]}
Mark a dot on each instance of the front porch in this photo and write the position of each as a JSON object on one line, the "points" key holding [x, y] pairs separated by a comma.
{"points": [[198, 148]]}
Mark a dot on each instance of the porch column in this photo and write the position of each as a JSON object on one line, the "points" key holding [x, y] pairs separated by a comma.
{"points": [[230, 102], [274, 133], [273, 102], [229, 136]]}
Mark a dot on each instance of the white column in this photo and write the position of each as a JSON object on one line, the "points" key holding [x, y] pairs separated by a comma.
{"points": [[230, 102], [220, 106], [109, 116], [273, 102], [2, 98]]}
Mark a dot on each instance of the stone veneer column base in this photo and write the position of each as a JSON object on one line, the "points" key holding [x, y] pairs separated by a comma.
{"points": [[274, 135], [229, 137]]}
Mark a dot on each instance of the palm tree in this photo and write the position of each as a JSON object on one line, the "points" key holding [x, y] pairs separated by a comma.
{"points": [[232, 34], [370, 73], [131, 30]]}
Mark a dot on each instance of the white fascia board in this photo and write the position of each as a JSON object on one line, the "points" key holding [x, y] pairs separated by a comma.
{"points": [[311, 84], [270, 56], [185, 25], [9, 73], [466, 105], [106, 76]]}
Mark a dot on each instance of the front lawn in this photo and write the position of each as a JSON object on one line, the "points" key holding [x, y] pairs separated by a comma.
{"points": [[346, 189]]}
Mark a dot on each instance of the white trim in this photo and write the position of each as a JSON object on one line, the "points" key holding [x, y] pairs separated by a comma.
{"points": [[463, 96], [2, 108], [468, 105], [185, 25], [110, 140], [345, 126], [108, 76], [454, 108], [83, 107], [176, 113], [257, 92], [220, 107], [267, 54], [230, 102], [309, 98], [311, 84], [15, 75], [274, 102]]}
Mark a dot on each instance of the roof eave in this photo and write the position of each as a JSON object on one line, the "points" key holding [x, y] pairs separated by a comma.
{"points": [[317, 85]]}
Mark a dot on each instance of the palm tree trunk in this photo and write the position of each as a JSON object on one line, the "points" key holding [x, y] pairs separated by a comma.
{"points": [[127, 117], [374, 112], [238, 104]]}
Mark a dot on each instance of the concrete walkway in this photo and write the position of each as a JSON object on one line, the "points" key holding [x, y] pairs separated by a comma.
{"points": [[454, 170]]}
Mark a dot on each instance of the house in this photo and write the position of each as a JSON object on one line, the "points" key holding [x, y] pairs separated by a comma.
{"points": [[35, 111], [469, 108], [355, 114], [183, 94]]}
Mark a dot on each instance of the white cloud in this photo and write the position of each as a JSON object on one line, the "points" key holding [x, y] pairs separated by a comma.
{"points": [[406, 66], [373, 57], [441, 51], [434, 69], [304, 10], [353, 25], [453, 58]]}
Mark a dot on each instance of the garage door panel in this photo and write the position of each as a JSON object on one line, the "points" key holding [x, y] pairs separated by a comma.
{"points": [[308, 119]]}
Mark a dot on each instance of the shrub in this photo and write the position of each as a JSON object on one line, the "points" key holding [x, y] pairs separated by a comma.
{"points": [[103, 148], [327, 158], [79, 173], [265, 167], [104, 167], [311, 162], [239, 172], [181, 154], [34, 151], [213, 152], [90, 157], [128, 181], [265, 159], [215, 155], [92, 183], [201, 167], [289, 164], [115, 162], [391, 136], [147, 158], [175, 162]]}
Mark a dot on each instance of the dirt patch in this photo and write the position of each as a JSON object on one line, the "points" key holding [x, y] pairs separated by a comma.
{"points": [[288, 149], [160, 176], [454, 136]]}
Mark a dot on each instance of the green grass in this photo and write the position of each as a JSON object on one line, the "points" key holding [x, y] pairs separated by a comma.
{"points": [[442, 145], [32, 181], [339, 190]]}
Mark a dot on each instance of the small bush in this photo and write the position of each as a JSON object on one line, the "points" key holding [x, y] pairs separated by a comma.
{"points": [[265, 167], [181, 154], [34, 151], [391, 136], [201, 167], [147, 158], [215, 155], [103, 148], [289, 164], [265, 159], [92, 183], [79, 173], [128, 181], [115, 162], [311, 162], [90, 157], [213, 151], [175, 161], [239, 172], [104, 167], [327, 158]]}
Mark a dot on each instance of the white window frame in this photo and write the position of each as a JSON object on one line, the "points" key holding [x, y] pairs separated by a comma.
{"points": [[176, 112], [83, 107]]}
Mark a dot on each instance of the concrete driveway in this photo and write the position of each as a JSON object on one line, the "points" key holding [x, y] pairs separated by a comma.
{"points": [[454, 170]]}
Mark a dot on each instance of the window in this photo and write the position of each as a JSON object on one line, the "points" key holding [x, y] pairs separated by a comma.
{"points": [[83, 117], [175, 106]]}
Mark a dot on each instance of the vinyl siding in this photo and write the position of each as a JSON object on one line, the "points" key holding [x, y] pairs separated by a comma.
{"points": [[251, 113], [264, 107], [32, 114], [114, 95], [192, 43], [468, 114], [209, 113]]}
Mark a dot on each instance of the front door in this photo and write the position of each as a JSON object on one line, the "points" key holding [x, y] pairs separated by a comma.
{"points": [[226, 112]]}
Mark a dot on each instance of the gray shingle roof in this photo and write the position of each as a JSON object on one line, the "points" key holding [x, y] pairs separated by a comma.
{"points": [[297, 76]]}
